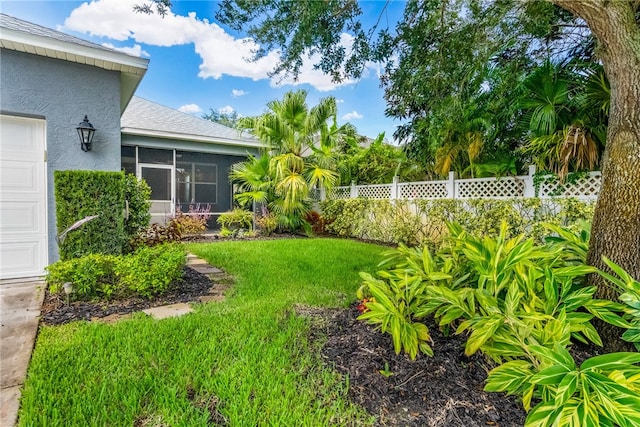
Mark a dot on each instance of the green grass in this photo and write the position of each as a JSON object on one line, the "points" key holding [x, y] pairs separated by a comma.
{"points": [[248, 357]]}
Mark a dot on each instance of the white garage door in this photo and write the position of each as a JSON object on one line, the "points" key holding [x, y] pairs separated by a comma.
{"points": [[23, 197]]}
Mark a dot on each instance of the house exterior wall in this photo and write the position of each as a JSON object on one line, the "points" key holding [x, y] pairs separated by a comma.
{"points": [[62, 93]]}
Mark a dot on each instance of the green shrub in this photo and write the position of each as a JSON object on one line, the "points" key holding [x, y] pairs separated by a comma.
{"points": [[92, 276], [423, 222], [267, 223], [603, 391], [193, 222], [80, 194], [146, 272], [137, 195], [236, 219], [505, 293], [150, 270]]}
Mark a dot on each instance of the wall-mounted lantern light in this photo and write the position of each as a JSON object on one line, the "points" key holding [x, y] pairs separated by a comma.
{"points": [[85, 132]]}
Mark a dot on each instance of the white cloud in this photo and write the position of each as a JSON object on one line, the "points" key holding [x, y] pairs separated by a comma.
{"points": [[339, 101], [227, 110], [220, 52], [190, 109], [352, 115], [135, 50], [237, 92]]}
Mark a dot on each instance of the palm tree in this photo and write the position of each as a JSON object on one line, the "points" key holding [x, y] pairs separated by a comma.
{"points": [[300, 147], [567, 113]]}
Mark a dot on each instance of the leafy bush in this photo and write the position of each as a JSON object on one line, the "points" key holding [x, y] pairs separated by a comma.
{"points": [[193, 222], [91, 275], [157, 234], [150, 270], [423, 222], [506, 293], [604, 390], [236, 219], [522, 304], [137, 195], [146, 272], [80, 194], [267, 223], [629, 289]]}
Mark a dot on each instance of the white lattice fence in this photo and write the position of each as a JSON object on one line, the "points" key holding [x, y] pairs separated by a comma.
{"points": [[489, 188], [339, 193], [423, 190], [382, 191], [586, 187]]}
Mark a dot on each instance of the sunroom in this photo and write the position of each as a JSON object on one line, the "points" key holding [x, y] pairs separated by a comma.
{"points": [[185, 160]]}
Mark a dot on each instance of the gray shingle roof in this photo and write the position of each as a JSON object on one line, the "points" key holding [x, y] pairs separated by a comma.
{"points": [[16, 24], [143, 115]]}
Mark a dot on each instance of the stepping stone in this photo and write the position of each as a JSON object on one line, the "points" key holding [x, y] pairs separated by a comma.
{"points": [[206, 269], [164, 311], [196, 261]]}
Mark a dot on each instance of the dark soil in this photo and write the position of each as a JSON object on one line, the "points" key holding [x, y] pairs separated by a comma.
{"points": [[444, 390]]}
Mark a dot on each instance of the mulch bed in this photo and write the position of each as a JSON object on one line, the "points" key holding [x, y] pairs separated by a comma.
{"points": [[444, 390], [55, 311]]}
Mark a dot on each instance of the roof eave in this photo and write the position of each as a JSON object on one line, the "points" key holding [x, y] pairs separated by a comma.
{"points": [[187, 137]]}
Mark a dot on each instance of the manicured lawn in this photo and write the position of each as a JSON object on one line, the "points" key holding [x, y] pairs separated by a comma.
{"points": [[246, 361]]}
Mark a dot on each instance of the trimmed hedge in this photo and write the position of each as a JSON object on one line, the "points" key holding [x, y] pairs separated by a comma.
{"points": [[422, 222], [80, 194], [146, 272], [137, 194]]}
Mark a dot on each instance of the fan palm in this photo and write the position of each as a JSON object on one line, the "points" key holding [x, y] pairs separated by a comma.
{"points": [[300, 147]]}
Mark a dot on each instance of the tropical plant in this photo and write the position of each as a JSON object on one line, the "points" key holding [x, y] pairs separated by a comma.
{"points": [[506, 293], [378, 163], [236, 219], [629, 289], [299, 156], [566, 107], [603, 391]]}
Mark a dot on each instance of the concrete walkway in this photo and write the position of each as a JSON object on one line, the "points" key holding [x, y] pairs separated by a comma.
{"points": [[20, 304]]}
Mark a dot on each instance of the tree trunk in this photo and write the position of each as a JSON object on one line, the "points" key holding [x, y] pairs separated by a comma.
{"points": [[615, 231]]}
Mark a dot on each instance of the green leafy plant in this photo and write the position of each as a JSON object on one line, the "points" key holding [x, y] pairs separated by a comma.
{"points": [[602, 391], [150, 270], [81, 194], [137, 194], [393, 309], [145, 272], [92, 276], [629, 289], [193, 222], [267, 223], [236, 219], [423, 222]]}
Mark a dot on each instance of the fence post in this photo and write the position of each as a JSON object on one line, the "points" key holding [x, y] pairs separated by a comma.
{"points": [[394, 188], [354, 190], [323, 194], [451, 186], [529, 186]]}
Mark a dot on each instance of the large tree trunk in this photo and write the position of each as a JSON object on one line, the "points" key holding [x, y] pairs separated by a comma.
{"points": [[615, 231]]}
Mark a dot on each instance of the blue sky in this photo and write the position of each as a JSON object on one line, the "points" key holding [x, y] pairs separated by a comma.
{"points": [[197, 65]]}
